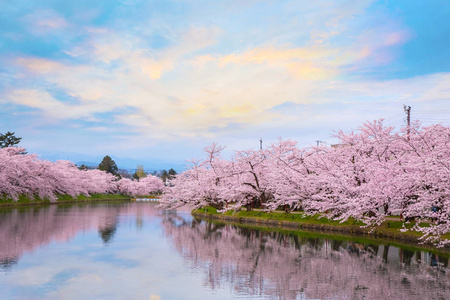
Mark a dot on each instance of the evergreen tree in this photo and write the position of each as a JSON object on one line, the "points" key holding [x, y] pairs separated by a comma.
{"points": [[83, 167], [8, 140], [108, 165], [164, 175]]}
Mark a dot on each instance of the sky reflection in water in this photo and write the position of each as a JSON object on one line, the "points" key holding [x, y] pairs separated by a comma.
{"points": [[134, 251]]}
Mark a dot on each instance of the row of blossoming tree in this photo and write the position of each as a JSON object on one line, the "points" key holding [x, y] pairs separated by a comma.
{"points": [[374, 172], [26, 174]]}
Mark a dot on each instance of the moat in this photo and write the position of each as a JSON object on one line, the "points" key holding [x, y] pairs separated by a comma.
{"points": [[123, 250]]}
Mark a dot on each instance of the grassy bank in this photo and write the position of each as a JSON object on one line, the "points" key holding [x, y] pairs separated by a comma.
{"points": [[25, 200], [389, 230]]}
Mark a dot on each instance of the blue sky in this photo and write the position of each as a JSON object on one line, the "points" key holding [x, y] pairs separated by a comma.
{"points": [[161, 80]]}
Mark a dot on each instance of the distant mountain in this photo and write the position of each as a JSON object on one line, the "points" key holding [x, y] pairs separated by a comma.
{"points": [[148, 163], [87, 163]]}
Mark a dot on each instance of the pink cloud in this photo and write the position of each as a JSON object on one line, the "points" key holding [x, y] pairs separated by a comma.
{"points": [[43, 21], [395, 38]]}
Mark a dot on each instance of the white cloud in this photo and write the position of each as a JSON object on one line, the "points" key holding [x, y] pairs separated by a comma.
{"points": [[223, 74], [211, 94]]}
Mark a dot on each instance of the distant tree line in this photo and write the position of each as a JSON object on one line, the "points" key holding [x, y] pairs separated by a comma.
{"points": [[109, 165], [27, 175]]}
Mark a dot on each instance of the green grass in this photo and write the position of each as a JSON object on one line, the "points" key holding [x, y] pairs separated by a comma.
{"points": [[25, 200], [209, 210], [297, 217]]}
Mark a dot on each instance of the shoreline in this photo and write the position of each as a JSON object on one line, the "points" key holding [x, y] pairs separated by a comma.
{"points": [[62, 201], [349, 231], [59, 202]]}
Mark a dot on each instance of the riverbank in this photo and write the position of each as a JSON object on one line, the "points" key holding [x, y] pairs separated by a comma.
{"points": [[25, 200], [388, 230]]}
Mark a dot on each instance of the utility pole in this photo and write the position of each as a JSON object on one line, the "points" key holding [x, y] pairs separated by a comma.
{"points": [[260, 144], [318, 143], [407, 109]]}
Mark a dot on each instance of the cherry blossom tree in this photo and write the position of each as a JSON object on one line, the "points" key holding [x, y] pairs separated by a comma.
{"points": [[252, 168], [374, 172], [206, 182], [145, 186], [25, 174]]}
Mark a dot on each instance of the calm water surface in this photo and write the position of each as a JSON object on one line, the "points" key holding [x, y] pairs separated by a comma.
{"points": [[135, 251]]}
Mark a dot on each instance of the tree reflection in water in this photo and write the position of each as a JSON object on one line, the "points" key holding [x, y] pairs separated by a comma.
{"points": [[264, 264], [25, 229], [292, 266]]}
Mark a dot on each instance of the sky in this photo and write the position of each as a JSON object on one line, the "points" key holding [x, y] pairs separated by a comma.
{"points": [[155, 82]]}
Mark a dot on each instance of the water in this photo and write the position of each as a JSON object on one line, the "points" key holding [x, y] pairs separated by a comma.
{"points": [[135, 251]]}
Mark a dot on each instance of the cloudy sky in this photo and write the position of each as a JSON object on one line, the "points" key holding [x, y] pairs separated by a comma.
{"points": [[163, 79]]}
